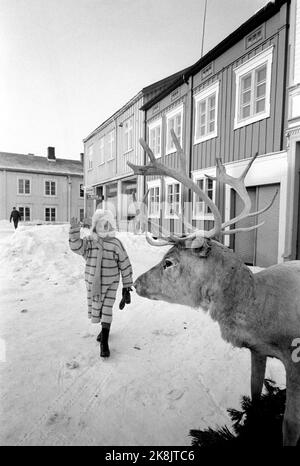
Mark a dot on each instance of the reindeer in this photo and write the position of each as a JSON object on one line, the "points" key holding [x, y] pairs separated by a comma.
{"points": [[259, 311]]}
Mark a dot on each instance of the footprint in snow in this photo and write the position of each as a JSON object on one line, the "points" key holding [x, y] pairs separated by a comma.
{"points": [[72, 365], [175, 394]]}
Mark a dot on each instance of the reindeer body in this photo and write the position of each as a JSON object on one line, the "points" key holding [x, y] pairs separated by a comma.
{"points": [[258, 311]]}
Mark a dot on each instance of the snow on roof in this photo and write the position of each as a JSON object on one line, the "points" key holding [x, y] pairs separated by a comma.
{"points": [[35, 163]]}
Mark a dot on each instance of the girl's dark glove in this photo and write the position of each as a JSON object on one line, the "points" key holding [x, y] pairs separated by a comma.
{"points": [[125, 297]]}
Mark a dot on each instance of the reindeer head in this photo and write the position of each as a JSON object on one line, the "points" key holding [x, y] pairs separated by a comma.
{"points": [[196, 269]]}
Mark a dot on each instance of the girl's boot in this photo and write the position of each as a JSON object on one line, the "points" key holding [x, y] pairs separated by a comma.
{"points": [[104, 348]]}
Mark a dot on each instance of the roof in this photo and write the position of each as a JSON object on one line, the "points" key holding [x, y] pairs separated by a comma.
{"points": [[146, 90], [262, 15], [38, 164]]}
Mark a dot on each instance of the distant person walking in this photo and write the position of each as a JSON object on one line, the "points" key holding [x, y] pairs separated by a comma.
{"points": [[16, 216]]}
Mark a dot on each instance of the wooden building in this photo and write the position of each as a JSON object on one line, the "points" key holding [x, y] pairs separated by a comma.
{"points": [[43, 189], [107, 150], [231, 103]]}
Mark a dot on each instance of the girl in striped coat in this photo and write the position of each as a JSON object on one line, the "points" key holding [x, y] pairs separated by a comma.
{"points": [[105, 258]]}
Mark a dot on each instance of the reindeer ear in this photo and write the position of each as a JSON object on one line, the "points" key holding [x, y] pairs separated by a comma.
{"points": [[200, 246]]}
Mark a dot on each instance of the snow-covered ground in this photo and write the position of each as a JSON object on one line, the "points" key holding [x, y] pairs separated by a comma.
{"points": [[169, 369]]}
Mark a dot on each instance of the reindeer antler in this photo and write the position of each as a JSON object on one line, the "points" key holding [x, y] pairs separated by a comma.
{"points": [[238, 184], [157, 168]]}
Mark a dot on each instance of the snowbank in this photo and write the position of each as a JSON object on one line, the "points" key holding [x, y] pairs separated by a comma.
{"points": [[169, 371]]}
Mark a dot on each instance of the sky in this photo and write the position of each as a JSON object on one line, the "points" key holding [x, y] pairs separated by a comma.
{"points": [[67, 65]]}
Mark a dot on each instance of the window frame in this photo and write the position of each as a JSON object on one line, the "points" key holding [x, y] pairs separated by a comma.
{"points": [[90, 153], [171, 181], [111, 142], [205, 94], [24, 216], [264, 57], [152, 185], [175, 111], [49, 180], [50, 207], [125, 135], [101, 150], [18, 186], [81, 190], [201, 176], [152, 126]]}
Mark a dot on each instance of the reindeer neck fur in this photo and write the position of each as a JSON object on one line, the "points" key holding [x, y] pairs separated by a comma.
{"points": [[228, 293]]}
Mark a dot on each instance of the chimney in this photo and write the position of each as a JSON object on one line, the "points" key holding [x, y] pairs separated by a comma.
{"points": [[81, 157], [51, 154]]}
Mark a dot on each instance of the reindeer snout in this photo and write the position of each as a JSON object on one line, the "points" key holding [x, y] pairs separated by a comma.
{"points": [[139, 286]]}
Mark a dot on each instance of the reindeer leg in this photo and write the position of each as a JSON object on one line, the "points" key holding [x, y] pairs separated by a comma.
{"points": [[291, 420], [258, 368]]}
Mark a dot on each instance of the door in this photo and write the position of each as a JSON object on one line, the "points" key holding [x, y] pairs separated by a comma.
{"points": [[244, 242], [260, 246], [267, 234]]}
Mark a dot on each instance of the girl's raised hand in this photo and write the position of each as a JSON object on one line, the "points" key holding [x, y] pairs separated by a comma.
{"points": [[74, 222]]}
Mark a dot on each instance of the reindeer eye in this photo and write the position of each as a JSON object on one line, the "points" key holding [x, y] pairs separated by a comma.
{"points": [[168, 263]]}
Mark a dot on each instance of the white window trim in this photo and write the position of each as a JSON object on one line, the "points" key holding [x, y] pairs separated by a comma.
{"points": [[200, 175], [90, 153], [130, 148], [101, 162], [23, 194], [113, 144], [28, 207], [52, 181], [155, 184], [81, 184], [154, 124], [169, 181], [214, 88], [50, 207], [259, 59], [169, 115]]}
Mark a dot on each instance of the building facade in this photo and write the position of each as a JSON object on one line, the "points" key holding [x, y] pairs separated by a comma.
{"points": [[43, 189], [231, 104], [108, 179]]}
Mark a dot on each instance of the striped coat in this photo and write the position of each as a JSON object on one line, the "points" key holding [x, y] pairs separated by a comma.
{"points": [[114, 261]]}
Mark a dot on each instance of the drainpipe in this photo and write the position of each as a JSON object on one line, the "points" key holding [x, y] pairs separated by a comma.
{"points": [[189, 168], [69, 198], [5, 197], [116, 146], [145, 155]]}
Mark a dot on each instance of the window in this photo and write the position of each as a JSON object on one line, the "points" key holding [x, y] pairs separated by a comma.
{"points": [[90, 156], [254, 37], [154, 200], [200, 208], [206, 105], [50, 188], [25, 213], [128, 135], [23, 186], [110, 145], [101, 150], [81, 215], [173, 196], [50, 214], [253, 86], [81, 190], [155, 138], [174, 121]]}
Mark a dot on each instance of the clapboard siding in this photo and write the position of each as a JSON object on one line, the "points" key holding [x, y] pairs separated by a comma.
{"points": [[264, 136], [118, 166]]}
